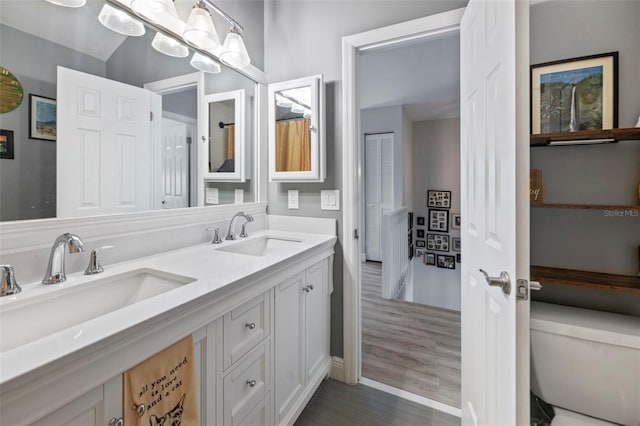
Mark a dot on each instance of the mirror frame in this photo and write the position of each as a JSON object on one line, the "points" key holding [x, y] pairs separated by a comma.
{"points": [[318, 146], [239, 174]]}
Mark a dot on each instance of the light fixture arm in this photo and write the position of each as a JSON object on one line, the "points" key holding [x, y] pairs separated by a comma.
{"points": [[222, 13]]}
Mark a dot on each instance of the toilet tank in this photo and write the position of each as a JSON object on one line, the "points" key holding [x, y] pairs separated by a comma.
{"points": [[586, 361]]}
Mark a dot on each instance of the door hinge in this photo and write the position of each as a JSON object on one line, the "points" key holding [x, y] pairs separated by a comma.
{"points": [[355, 234], [150, 115], [524, 287]]}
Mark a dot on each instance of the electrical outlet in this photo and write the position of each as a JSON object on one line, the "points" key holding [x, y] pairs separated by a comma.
{"points": [[239, 196], [293, 199], [212, 196]]}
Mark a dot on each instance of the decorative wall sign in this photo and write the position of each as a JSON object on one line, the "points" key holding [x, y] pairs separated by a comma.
{"points": [[575, 94], [438, 220], [410, 217], [42, 118], [420, 220], [429, 258], [459, 257], [420, 243], [437, 242], [439, 199], [6, 144], [446, 261], [536, 188], [456, 221], [419, 233], [419, 252], [456, 243], [11, 92]]}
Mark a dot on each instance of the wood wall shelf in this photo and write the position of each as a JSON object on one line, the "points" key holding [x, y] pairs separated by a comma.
{"points": [[585, 206], [586, 135], [597, 280]]}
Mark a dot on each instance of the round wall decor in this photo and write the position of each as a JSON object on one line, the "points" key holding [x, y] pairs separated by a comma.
{"points": [[11, 92]]}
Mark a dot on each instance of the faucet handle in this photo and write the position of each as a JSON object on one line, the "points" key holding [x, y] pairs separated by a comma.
{"points": [[216, 235], [94, 266], [9, 285]]}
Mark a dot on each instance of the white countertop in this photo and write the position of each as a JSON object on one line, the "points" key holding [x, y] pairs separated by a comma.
{"points": [[212, 270]]}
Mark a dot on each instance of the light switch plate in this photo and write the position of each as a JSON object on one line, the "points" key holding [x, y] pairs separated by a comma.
{"points": [[293, 199], [239, 196], [330, 199], [212, 196]]}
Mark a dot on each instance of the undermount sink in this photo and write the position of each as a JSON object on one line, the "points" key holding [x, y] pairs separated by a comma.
{"points": [[260, 246], [26, 321]]}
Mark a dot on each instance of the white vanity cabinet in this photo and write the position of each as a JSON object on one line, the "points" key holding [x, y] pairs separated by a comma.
{"points": [[301, 339]]}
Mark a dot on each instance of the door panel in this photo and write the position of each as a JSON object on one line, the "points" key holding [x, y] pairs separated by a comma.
{"points": [[315, 321], [490, 205]]}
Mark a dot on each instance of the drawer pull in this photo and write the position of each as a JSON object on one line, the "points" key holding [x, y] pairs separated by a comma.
{"points": [[116, 421], [251, 383], [251, 325], [310, 286]]}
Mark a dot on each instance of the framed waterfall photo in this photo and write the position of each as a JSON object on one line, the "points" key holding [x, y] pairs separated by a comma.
{"points": [[575, 94]]}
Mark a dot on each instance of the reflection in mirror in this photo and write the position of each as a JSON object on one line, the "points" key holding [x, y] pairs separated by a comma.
{"points": [[293, 129], [222, 136], [91, 168]]}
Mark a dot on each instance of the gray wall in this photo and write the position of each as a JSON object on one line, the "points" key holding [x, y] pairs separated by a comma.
{"points": [[183, 103], [436, 165], [28, 182], [603, 174], [306, 36]]}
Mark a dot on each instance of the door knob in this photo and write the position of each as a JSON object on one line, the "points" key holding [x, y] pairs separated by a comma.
{"points": [[503, 281], [251, 383]]}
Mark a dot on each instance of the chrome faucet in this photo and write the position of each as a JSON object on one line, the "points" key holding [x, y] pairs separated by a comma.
{"points": [[55, 270], [9, 286], [243, 234]]}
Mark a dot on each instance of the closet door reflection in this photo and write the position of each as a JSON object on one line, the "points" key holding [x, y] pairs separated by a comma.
{"points": [[225, 121]]}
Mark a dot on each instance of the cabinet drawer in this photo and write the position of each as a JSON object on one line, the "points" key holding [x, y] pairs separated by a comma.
{"points": [[247, 384], [260, 415], [245, 327]]}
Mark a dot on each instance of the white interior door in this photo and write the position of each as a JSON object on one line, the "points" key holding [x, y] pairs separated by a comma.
{"points": [[492, 235], [103, 146], [379, 171], [175, 164]]}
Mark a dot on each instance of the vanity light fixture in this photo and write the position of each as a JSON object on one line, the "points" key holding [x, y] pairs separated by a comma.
{"points": [[307, 114], [234, 52], [283, 102], [204, 63], [159, 11], [298, 109], [68, 3], [169, 46], [200, 31], [120, 22]]}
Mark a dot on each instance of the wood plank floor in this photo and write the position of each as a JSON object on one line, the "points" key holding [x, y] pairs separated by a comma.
{"points": [[409, 346], [337, 404]]}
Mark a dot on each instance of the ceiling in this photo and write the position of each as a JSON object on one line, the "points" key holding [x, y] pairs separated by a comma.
{"points": [[75, 28], [423, 76]]}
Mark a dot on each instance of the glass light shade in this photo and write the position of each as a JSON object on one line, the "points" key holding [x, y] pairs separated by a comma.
{"points": [[283, 102], [120, 22], [155, 10], [200, 31], [298, 109], [234, 52], [68, 3], [307, 114], [169, 46], [202, 63]]}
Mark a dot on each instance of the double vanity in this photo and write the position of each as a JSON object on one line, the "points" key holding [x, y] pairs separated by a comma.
{"points": [[257, 308]]}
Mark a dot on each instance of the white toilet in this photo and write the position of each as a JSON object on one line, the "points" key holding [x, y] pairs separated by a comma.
{"points": [[586, 364]]}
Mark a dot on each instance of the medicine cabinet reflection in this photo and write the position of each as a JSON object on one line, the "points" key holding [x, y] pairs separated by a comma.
{"points": [[225, 136], [296, 130]]}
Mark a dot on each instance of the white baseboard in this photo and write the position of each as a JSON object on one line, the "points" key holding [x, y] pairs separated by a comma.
{"points": [[337, 369], [412, 397]]}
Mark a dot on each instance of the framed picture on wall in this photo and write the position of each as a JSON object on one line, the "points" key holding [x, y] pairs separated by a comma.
{"points": [[438, 220], [419, 252], [459, 258], [440, 199], [42, 118], [6, 144], [429, 258], [420, 233], [455, 244], [437, 242], [575, 94], [420, 243], [446, 261], [456, 221], [420, 220]]}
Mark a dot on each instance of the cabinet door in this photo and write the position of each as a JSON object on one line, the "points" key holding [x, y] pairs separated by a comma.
{"points": [[84, 411], [315, 319], [289, 344]]}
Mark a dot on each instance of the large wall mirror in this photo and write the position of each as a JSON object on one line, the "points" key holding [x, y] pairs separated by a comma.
{"points": [[296, 130], [108, 123]]}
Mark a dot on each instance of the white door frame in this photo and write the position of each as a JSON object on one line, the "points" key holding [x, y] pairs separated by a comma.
{"points": [[423, 28]]}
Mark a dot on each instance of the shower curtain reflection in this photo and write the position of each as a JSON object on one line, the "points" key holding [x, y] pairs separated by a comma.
{"points": [[293, 145]]}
